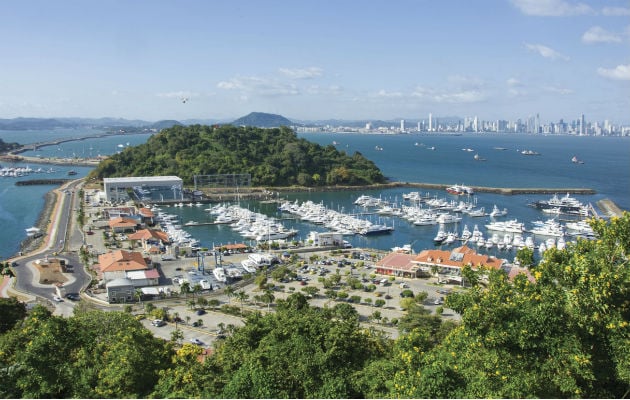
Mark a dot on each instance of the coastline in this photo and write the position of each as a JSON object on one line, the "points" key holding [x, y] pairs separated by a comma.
{"points": [[44, 220]]}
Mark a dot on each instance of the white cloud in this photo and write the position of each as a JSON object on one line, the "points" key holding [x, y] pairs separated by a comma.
{"points": [[384, 93], [513, 82], [551, 8], [252, 85], [597, 34], [557, 90], [452, 96], [178, 94], [546, 52], [615, 11], [302, 73], [328, 90], [620, 72]]}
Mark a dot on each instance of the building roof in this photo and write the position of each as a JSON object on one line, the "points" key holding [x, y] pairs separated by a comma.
{"points": [[144, 274], [120, 282], [146, 234], [121, 260], [146, 212], [457, 257], [398, 262], [122, 222], [143, 179]]}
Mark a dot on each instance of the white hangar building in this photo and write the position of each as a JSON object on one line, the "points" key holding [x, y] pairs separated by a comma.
{"points": [[114, 186]]}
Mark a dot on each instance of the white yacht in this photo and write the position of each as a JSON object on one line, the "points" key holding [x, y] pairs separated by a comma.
{"points": [[496, 212], [507, 226]]}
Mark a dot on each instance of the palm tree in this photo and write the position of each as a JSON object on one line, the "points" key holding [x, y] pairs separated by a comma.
{"points": [[185, 288], [138, 295], [268, 298], [196, 289], [242, 297], [229, 292]]}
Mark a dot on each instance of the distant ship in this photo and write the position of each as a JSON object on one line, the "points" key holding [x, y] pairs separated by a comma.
{"points": [[72, 172], [575, 160]]}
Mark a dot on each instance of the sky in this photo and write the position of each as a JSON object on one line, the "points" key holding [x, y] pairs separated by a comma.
{"points": [[313, 60]]}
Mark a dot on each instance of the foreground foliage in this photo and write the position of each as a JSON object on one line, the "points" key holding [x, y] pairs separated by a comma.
{"points": [[273, 157], [566, 335]]}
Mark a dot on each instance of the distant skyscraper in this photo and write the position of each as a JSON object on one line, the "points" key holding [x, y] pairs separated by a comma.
{"points": [[430, 122], [402, 125]]}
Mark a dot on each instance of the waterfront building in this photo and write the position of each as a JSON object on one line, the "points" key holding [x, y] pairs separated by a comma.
{"points": [[116, 188]]}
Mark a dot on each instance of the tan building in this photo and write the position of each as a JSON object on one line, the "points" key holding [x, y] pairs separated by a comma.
{"points": [[449, 264], [123, 224], [149, 238], [116, 264]]}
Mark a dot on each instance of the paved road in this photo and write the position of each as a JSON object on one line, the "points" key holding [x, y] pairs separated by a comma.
{"points": [[61, 227]]}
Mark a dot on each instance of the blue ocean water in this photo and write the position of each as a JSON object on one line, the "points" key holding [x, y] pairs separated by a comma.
{"points": [[409, 158]]}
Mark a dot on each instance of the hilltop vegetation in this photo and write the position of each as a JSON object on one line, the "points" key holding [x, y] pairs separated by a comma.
{"points": [[273, 157], [4, 146], [566, 335], [262, 120]]}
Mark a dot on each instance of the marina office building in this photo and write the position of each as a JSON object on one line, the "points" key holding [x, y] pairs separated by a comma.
{"points": [[116, 188]]}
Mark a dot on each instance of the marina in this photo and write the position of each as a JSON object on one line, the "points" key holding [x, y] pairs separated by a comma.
{"points": [[507, 179]]}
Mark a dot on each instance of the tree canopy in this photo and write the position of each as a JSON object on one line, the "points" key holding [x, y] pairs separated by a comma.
{"points": [[565, 334], [273, 157]]}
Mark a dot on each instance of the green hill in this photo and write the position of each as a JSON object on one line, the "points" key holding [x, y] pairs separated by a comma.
{"points": [[262, 120], [273, 157]]}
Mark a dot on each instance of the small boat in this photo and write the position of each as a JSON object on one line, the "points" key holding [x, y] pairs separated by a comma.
{"points": [[575, 160], [530, 153], [440, 237], [460, 190], [72, 172], [378, 148], [478, 158], [32, 231], [498, 213], [431, 148]]}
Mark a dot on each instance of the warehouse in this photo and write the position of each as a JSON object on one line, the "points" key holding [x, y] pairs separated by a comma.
{"points": [[145, 187]]}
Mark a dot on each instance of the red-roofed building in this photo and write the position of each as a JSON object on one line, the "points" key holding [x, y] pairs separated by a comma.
{"points": [[398, 264], [150, 238], [147, 215], [116, 264], [123, 224], [450, 263]]}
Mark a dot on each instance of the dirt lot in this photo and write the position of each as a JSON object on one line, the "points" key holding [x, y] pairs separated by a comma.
{"points": [[50, 275]]}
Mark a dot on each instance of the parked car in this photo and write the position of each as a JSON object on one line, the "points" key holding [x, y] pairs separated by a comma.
{"points": [[73, 297], [168, 257], [57, 298], [196, 341], [158, 322], [200, 311]]}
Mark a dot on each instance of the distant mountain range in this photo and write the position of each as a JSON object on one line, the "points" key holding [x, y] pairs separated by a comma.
{"points": [[256, 119]]}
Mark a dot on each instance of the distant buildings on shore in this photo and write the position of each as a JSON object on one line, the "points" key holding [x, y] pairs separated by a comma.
{"points": [[531, 125]]}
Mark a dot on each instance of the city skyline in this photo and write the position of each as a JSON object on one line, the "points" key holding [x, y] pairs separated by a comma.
{"points": [[155, 60]]}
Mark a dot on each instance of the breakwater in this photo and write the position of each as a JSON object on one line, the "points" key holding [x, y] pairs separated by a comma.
{"points": [[31, 182], [436, 186]]}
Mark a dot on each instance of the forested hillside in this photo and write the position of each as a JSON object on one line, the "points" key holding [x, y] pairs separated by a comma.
{"points": [[273, 157], [564, 335]]}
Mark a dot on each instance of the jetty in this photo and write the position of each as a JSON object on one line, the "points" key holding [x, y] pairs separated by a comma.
{"points": [[32, 182]]}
